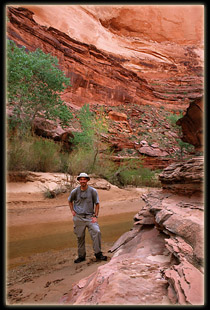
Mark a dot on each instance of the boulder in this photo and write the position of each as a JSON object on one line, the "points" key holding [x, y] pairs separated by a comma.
{"points": [[152, 151], [192, 124], [99, 183], [117, 116], [49, 129]]}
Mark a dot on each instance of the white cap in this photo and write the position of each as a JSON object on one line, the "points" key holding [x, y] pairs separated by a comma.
{"points": [[83, 175]]}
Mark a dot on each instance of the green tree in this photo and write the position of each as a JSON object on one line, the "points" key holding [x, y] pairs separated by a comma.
{"points": [[88, 141], [34, 85], [85, 138]]}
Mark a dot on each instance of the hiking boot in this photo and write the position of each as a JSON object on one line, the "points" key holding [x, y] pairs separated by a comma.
{"points": [[100, 256], [79, 259]]}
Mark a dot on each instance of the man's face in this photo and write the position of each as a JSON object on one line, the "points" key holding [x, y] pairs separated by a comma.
{"points": [[83, 182]]}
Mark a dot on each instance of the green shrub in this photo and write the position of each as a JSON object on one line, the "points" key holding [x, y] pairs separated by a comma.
{"points": [[52, 193], [39, 154], [173, 118], [88, 141], [80, 160], [16, 154], [64, 162], [139, 177], [33, 153], [44, 155], [106, 169]]}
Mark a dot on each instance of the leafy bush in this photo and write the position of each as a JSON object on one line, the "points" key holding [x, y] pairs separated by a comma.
{"points": [[106, 169], [40, 154], [127, 173]]}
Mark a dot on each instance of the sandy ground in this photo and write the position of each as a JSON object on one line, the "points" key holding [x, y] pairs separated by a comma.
{"points": [[43, 277]]}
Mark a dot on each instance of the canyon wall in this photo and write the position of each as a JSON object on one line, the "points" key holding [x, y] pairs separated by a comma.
{"points": [[119, 54], [144, 55]]}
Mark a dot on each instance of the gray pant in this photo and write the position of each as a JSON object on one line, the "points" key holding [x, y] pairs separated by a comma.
{"points": [[80, 224]]}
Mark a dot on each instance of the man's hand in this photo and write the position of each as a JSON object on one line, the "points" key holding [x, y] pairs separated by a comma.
{"points": [[94, 219], [73, 212]]}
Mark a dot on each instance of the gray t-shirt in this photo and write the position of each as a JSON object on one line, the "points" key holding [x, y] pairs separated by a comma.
{"points": [[84, 201]]}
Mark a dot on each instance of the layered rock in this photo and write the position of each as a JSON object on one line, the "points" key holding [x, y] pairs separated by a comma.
{"points": [[184, 177], [96, 76], [179, 213], [112, 57], [160, 260]]}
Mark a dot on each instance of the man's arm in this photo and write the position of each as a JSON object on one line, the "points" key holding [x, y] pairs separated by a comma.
{"points": [[71, 208], [97, 209], [94, 219]]}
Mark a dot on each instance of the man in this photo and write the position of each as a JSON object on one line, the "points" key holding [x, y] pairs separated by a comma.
{"points": [[82, 200]]}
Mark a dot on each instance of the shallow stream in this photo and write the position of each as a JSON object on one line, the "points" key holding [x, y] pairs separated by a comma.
{"points": [[27, 240]]}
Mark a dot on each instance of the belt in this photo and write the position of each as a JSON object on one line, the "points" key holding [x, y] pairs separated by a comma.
{"points": [[84, 215]]}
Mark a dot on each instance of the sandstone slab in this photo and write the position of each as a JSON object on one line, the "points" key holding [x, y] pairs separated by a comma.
{"points": [[130, 278]]}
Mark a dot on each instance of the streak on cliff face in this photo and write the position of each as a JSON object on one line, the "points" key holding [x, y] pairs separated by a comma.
{"points": [[108, 65]]}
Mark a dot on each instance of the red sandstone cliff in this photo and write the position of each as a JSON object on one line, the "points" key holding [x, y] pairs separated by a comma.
{"points": [[119, 54], [99, 24]]}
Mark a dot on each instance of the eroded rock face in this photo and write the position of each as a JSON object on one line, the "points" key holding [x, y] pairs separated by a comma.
{"points": [[179, 213], [187, 282], [180, 24], [119, 54], [179, 216]]}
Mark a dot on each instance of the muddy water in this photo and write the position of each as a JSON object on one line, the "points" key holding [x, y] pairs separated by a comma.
{"points": [[26, 240]]}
